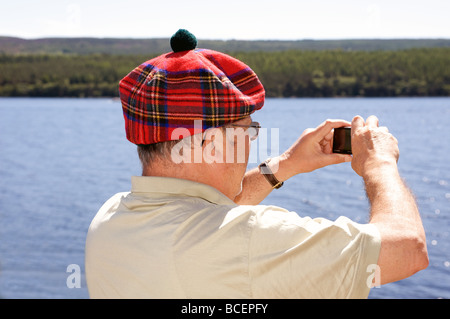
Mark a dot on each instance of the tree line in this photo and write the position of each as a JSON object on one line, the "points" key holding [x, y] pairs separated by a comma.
{"points": [[117, 46], [290, 73]]}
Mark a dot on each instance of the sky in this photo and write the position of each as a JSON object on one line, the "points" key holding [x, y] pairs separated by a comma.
{"points": [[230, 19]]}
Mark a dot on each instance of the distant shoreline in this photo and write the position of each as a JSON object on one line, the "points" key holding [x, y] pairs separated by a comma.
{"points": [[124, 46]]}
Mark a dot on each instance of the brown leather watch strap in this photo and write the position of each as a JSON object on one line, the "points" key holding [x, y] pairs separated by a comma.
{"points": [[267, 172]]}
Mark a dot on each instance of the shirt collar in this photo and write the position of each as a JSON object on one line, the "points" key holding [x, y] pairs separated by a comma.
{"points": [[176, 186]]}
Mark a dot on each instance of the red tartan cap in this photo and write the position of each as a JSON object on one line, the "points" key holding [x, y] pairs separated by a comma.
{"points": [[175, 89]]}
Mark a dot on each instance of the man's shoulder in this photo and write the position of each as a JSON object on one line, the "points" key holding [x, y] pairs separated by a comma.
{"points": [[110, 205], [114, 200], [266, 215], [262, 211]]}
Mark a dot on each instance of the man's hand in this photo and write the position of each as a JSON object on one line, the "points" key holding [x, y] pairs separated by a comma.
{"points": [[372, 146], [312, 150]]}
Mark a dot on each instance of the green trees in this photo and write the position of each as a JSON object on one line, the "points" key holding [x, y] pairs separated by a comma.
{"points": [[414, 72], [63, 75], [292, 73]]}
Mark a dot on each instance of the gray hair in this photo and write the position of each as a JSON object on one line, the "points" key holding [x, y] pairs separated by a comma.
{"points": [[163, 150], [148, 153]]}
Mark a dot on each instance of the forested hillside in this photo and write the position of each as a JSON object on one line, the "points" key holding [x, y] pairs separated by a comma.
{"points": [[10, 45], [284, 73], [414, 72]]}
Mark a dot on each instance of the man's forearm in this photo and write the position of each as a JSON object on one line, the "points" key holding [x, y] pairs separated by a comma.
{"points": [[311, 151], [390, 198], [254, 188], [395, 213]]}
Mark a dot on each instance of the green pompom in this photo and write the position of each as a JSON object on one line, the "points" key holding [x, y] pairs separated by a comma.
{"points": [[183, 40]]}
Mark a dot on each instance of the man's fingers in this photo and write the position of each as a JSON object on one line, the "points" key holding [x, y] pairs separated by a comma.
{"points": [[357, 123], [326, 127], [339, 158], [372, 121]]}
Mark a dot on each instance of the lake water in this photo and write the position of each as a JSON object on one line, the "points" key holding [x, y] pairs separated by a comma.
{"points": [[60, 159]]}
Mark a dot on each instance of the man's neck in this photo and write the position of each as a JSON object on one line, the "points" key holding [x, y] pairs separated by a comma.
{"points": [[208, 174]]}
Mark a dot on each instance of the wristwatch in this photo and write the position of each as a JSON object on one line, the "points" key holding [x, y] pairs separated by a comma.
{"points": [[267, 172]]}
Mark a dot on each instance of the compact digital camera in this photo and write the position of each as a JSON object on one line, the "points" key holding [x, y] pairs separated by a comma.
{"points": [[342, 140]]}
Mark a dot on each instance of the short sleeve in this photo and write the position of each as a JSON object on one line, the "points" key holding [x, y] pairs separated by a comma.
{"points": [[295, 257]]}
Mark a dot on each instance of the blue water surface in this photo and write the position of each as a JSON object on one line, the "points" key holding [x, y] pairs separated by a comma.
{"points": [[60, 159]]}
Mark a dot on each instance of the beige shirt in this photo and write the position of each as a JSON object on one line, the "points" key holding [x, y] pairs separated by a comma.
{"points": [[173, 238]]}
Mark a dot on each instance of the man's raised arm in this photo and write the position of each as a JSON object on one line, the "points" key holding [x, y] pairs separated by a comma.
{"points": [[312, 150], [393, 207]]}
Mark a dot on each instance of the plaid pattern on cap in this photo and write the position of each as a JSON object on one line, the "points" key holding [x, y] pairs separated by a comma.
{"points": [[175, 89]]}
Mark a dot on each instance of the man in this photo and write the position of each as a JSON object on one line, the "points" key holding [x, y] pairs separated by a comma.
{"points": [[192, 226]]}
